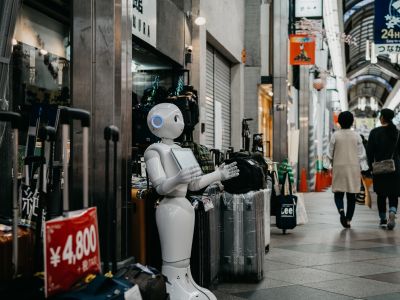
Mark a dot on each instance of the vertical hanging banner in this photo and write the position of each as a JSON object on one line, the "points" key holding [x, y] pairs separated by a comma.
{"points": [[302, 49], [387, 22]]}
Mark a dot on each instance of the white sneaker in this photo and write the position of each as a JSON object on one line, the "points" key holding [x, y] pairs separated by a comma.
{"points": [[392, 221]]}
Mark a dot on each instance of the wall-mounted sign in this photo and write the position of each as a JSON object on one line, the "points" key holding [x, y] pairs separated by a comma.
{"points": [[144, 20], [308, 9], [302, 49], [387, 22], [381, 49]]}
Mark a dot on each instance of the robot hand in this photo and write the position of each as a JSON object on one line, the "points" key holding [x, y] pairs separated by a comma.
{"points": [[228, 171], [189, 174]]}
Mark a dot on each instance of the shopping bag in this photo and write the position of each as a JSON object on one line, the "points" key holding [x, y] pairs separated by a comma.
{"points": [[360, 197], [367, 199], [301, 212]]}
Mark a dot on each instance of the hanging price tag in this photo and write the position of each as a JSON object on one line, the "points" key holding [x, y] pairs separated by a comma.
{"points": [[71, 250]]}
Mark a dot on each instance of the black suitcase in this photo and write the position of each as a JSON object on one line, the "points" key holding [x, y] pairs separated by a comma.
{"points": [[204, 261], [286, 213]]}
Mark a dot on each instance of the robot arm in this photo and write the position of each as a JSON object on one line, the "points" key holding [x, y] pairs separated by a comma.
{"points": [[223, 172], [158, 178]]}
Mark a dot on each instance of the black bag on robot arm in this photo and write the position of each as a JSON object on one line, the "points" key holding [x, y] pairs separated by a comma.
{"points": [[251, 175]]}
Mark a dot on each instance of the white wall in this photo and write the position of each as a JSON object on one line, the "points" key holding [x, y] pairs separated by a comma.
{"points": [[225, 23]]}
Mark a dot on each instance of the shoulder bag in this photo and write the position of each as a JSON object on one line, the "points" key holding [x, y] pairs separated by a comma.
{"points": [[386, 166]]}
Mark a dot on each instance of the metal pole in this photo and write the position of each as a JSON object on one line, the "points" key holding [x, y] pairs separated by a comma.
{"points": [[15, 205], [85, 160], [65, 135]]}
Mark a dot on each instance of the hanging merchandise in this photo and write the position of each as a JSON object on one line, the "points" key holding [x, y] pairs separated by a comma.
{"points": [[142, 136], [185, 99], [302, 49], [283, 169]]}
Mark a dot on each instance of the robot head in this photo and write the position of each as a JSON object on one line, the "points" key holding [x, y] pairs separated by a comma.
{"points": [[165, 120]]}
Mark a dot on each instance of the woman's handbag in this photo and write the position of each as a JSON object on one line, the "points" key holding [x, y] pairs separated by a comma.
{"points": [[386, 166]]}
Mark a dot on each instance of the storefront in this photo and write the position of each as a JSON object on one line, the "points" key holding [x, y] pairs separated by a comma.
{"points": [[265, 120]]}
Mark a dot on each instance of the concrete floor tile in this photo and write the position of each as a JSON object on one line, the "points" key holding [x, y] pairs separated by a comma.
{"points": [[388, 250], [391, 262], [393, 277], [356, 287], [266, 283], [270, 265], [395, 296], [292, 292], [320, 260], [303, 275], [313, 248], [224, 296], [357, 268]]}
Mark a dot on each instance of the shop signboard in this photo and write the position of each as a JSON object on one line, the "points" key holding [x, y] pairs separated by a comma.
{"points": [[308, 9], [144, 20], [387, 22], [302, 49], [382, 49], [71, 250]]}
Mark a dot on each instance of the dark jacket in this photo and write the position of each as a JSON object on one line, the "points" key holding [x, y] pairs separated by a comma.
{"points": [[381, 146]]}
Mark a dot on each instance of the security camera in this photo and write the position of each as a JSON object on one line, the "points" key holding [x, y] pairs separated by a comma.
{"points": [[189, 49]]}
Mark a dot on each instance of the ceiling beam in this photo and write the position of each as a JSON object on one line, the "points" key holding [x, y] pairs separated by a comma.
{"points": [[388, 68], [360, 70]]}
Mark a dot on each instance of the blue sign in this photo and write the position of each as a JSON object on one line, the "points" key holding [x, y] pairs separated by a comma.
{"points": [[387, 22]]}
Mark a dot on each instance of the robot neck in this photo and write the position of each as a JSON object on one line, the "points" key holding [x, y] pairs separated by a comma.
{"points": [[167, 141]]}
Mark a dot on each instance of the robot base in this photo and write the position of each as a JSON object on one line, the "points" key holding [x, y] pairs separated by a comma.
{"points": [[181, 285]]}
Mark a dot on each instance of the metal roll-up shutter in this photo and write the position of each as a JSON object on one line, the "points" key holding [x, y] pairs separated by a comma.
{"points": [[209, 130], [222, 93], [218, 88]]}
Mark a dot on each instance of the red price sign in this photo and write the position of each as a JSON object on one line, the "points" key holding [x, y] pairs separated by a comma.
{"points": [[71, 250]]}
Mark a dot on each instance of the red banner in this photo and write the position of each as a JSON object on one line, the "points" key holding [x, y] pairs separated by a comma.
{"points": [[71, 250], [302, 49]]}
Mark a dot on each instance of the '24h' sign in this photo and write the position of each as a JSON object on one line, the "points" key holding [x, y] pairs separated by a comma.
{"points": [[387, 22]]}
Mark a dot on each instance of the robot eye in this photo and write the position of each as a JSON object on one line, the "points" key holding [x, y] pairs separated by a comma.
{"points": [[157, 121], [176, 119]]}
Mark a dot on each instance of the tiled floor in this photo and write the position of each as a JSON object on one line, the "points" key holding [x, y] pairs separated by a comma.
{"points": [[321, 260]]}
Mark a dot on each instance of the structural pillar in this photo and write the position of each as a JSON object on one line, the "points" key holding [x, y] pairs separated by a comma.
{"points": [[102, 84], [304, 99], [280, 76]]}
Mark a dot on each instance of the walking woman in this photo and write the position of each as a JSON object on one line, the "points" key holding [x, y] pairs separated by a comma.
{"points": [[383, 144], [347, 156]]}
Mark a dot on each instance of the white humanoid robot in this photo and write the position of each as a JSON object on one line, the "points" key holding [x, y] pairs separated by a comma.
{"points": [[175, 215]]}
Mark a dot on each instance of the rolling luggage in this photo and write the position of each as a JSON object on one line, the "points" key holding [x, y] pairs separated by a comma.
{"points": [[150, 282], [242, 243], [104, 287], [111, 133], [286, 212], [17, 253], [14, 262], [204, 261]]}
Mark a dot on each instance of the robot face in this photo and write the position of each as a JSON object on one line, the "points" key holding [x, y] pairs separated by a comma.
{"points": [[165, 120]]}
